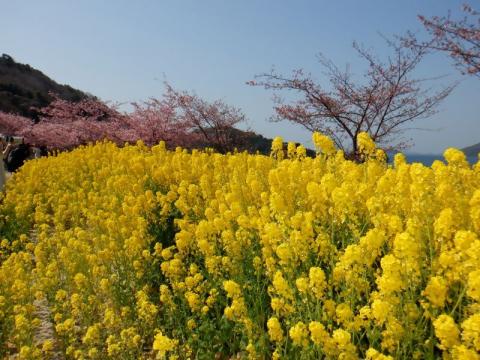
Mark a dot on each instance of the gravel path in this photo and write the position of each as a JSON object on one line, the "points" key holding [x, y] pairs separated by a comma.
{"points": [[46, 329]]}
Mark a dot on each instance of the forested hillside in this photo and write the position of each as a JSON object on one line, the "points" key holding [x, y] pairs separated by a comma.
{"points": [[23, 88]]}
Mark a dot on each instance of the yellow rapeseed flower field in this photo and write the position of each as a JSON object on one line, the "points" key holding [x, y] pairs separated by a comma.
{"points": [[142, 253]]}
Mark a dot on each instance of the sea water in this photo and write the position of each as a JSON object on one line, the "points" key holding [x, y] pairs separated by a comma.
{"points": [[428, 159]]}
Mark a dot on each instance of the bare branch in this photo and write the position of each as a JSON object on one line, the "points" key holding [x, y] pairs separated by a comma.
{"points": [[387, 98]]}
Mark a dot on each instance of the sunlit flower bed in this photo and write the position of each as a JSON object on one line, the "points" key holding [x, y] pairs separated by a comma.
{"points": [[143, 252]]}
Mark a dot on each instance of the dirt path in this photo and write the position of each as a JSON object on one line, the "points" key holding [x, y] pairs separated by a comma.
{"points": [[46, 329]]}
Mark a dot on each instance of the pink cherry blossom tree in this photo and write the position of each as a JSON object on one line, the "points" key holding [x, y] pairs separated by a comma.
{"points": [[155, 120], [178, 118], [209, 123], [11, 124], [388, 97]]}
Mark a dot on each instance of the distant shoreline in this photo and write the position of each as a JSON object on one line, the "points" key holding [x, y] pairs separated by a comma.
{"points": [[428, 159]]}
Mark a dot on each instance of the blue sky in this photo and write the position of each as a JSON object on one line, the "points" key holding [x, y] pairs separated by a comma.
{"points": [[122, 50]]}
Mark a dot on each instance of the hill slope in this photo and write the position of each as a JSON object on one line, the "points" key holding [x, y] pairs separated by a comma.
{"points": [[472, 150], [23, 87]]}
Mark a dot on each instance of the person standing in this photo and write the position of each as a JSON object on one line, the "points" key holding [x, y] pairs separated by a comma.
{"points": [[3, 175], [16, 155]]}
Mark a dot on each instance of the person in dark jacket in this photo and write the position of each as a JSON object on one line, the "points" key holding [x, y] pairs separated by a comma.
{"points": [[15, 155]]}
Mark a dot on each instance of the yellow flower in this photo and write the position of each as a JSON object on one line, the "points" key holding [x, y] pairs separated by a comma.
{"points": [[446, 331], [455, 157], [47, 346], [473, 288], [381, 310], [65, 327], [373, 354], [232, 289], [299, 334], [341, 337], [306, 245], [302, 284], [252, 354], [445, 224], [461, 352], [399, 159], [365, 143], [344, 314], [146, 310], [291, 149], [92, 335], [274, 329], [277, 147], [323, 143], [281, 285], [193, 300], [163, 344], [317, 281], [436, 291], [191, 324], [318, 333], [80, 280], [471, 331]]}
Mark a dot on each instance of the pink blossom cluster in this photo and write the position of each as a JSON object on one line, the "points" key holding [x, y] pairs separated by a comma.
{"points": [[179, 119]]}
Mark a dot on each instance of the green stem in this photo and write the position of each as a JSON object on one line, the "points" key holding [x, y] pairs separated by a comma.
{"points": [[460, 298]]}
